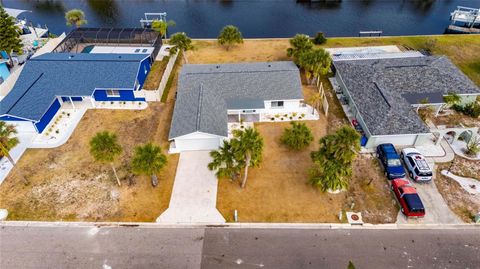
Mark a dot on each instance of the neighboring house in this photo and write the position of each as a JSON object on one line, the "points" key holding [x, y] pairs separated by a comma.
{"points": [[209, 96], [53, 78], [383, 94]]}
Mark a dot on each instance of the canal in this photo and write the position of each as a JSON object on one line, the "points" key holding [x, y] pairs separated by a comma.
{"points": [[256, 18]]}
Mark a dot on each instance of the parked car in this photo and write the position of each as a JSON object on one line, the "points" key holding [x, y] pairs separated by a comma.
{"points": [[410, 203], [387, 154], [417, 166]]}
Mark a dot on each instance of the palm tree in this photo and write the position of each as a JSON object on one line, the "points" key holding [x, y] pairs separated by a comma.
{"points": [[181, 42], [316, 100], [75, 17], [300, 43], [162, 26], [223, 161], [7, 140], [248, 147], [315, 61], [149, 160], [229, 36], [105, 149], [332, 167]]}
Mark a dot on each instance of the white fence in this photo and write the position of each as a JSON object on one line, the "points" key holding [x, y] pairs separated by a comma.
{"points": [[156, 95]]}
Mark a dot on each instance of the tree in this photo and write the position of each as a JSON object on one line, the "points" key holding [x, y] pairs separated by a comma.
{"points": [[316, 100], [297, 137], [300, 43], [315, 62], [229, 36], [7, 140], [9, 35], [149, 160], [332, 167], [224, 162], [319, 38], [75, 17], [181, 42], [162, 26], [248, 148], [105, 149]]}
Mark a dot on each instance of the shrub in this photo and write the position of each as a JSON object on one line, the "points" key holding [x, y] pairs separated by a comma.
{"points": [[471, 109], [319, 38], [272, 119], [473, 147], [297, 137]]}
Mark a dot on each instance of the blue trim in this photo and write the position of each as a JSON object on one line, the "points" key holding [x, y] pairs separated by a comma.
{"points": [[143, 71], [125, 95], [11, 118], [48, 116]]}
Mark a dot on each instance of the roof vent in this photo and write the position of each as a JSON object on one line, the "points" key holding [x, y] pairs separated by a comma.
{"points": [[120, 57], [218, 66], [269, 65], [71, 56]]}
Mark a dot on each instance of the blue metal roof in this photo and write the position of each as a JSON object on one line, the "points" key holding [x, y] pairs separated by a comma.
{"points": [[66, 74]]}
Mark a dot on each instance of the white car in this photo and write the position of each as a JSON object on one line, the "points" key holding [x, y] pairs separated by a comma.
{"points": [[416, 164]]}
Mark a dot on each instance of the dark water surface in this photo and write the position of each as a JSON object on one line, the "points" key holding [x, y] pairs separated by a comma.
{"points": [[256, 18]]}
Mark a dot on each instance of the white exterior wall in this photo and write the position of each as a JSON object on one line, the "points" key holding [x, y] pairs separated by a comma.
{"points": [[23, 126], [288, 105], [198, 141], [397, 140]]}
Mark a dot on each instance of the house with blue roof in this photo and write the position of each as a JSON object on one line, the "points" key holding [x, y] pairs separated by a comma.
{"points": [[53, 78]]}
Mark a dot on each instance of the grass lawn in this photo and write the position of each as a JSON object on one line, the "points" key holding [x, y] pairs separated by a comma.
{"points": [[65, 183], [155, 76]]}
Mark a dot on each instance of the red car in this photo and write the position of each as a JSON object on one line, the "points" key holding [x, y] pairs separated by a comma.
{"points": [[410, 203]]}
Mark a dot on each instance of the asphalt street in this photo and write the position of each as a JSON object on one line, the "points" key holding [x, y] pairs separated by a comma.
{"points": [[44, 246]]}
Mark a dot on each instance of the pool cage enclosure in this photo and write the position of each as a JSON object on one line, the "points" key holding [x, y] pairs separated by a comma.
{"points": [[110, 37]]}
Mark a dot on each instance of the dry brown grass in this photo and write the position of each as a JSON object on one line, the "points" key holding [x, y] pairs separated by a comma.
{"points": [[155, 75], [65, 183], [459, 201]]}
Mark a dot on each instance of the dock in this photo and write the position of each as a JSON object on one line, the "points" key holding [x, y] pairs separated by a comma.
{"points": [[465, 20], [370, 33], [465, 30]]}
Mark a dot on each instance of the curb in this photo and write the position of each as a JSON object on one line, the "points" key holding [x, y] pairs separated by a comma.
{"points": [[331, 226]]}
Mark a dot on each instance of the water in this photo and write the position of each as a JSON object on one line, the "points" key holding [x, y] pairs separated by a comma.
{"points": [[256, 18]]}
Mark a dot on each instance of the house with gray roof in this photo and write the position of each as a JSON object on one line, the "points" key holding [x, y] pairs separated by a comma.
{"points": [[49, 80], [383, 94], [209, 96]]}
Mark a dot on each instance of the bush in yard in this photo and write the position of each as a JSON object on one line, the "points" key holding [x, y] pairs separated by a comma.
{"points": [[319, 38], [229, 36], [297, 137], [332, 166], [473, 147], [149, 160], [471, 109]]}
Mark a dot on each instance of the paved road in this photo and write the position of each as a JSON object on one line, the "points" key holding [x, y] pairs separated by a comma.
{"points": [[148, 247]]}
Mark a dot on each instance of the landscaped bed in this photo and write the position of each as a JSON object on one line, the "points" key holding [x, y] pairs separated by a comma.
{"points": [[65, 183], [465, 205]]}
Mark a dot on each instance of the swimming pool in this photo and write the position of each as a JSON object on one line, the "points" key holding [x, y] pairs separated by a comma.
{"points": [[4, 73], [87, 49]]}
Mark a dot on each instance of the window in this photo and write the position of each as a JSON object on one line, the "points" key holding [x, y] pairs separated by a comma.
{"points": [[113, 93], [394, 162], [277, 104], [410, 160], [144, 50], [137, 50]]}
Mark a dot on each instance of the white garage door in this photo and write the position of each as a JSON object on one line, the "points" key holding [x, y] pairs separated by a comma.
{"points": [[401, 140], [24, 126], [197, 144]]}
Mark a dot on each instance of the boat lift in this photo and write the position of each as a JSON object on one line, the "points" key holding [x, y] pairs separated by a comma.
{"points": [[151, 17], [466, 15]]}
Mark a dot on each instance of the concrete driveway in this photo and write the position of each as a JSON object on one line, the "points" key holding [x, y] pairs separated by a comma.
{"points": [[436, 209], [194, 195]]}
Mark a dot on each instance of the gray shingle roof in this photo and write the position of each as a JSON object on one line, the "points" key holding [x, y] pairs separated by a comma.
{"points": [[382, 89], [66, 74], [206, 91]]}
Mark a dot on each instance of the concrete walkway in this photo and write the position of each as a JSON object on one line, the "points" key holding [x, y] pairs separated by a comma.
{"points": [[194, 195]]}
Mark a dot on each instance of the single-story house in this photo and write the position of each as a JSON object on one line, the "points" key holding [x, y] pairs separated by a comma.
{"points": [[209, 96], [53, 78], [383, 94]]}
